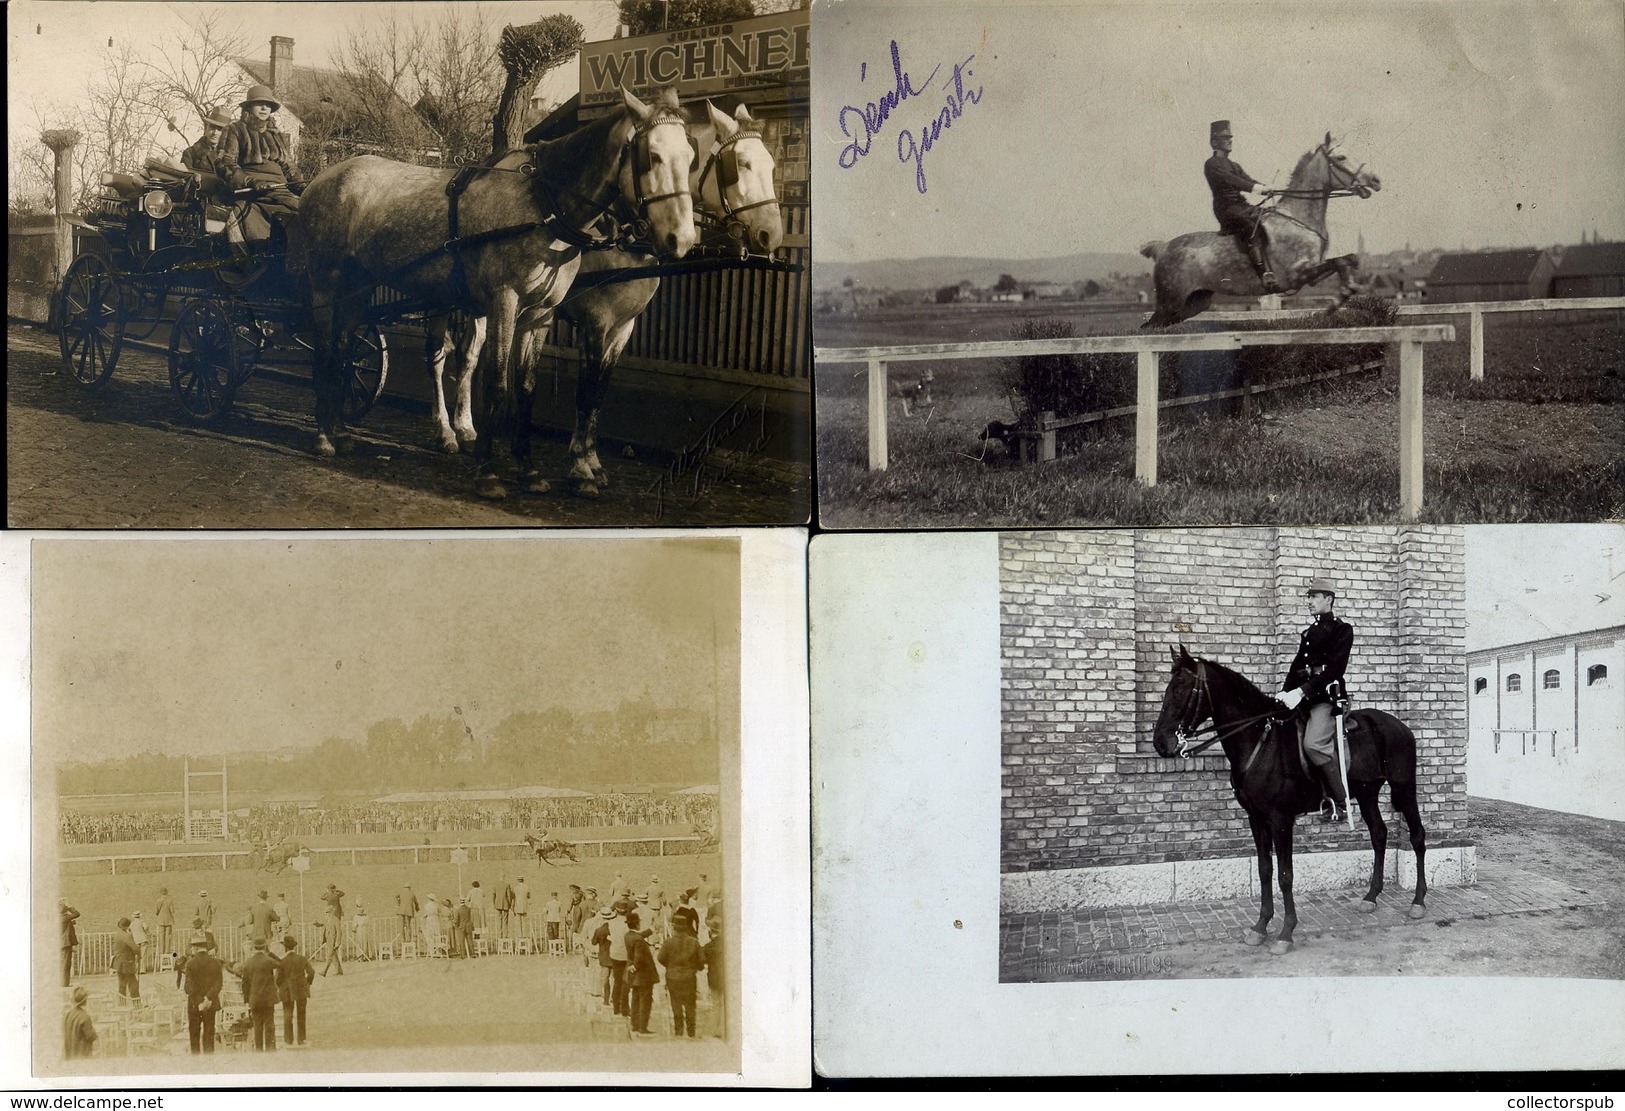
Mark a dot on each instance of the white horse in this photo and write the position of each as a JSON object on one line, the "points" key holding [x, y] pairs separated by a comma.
{"points": [[732, 183], [502, 241]]}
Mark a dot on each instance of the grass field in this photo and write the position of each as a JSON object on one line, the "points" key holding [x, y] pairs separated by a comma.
{"points": [[1541, 439]]}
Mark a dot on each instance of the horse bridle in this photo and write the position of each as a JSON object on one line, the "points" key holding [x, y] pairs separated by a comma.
{"points": [[1347, 188], [1185, 733], [620, 232], [725, 161]]}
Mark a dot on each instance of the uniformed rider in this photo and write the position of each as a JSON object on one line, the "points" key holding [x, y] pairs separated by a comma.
{"points": [[1228, 181], [1313, 682]]}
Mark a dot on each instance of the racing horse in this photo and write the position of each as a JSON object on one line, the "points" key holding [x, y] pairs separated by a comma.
{"points": [[546, 848], [1273, 783], [275, 858], [503, 240], [1191, 268], [731, 180]]}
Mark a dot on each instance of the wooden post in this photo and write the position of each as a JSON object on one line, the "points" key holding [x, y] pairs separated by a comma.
{"points": [[1145, 419], [877, 415], [1476, 345], [1410, 429], [1046, 436]]}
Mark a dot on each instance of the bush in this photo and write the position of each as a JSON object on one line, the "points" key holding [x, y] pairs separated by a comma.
{"points": [[1065, 385]]}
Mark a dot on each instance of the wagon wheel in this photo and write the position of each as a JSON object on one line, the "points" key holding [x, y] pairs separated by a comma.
{"points": [[366, 369], [203, 360], [90, 322]]}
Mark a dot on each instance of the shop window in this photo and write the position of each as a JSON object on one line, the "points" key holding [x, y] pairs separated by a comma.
{"points": [[1480, 685], [1551, 680], [1597, 675], [1514, 683]]}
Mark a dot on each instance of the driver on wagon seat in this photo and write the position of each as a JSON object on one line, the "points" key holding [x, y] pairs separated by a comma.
{"points": [[204, 158], [256, 154], [1323, 654], [1228, 181]]}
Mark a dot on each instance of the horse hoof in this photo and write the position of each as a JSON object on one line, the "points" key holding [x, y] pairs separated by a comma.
{"points": [[324, 446], [1368, 906], [490, 488], [1280, 948], [581, 488], [1252, 938], [531, 482], [1416, 911], [449, 445]]}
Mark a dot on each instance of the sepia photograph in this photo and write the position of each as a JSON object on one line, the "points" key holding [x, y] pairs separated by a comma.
{"points": [[304, 265], [1176, 264], [1134, 785], [341, 806]]}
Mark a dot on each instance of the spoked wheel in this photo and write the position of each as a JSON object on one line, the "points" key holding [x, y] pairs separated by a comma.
{"points": [[203, 360], [366, 369], [90, 322]]}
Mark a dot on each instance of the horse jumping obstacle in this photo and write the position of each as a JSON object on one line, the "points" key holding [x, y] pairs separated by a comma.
{"points": [[1147, 348]]}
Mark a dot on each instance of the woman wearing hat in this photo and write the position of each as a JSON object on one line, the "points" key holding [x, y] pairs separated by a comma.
{"points": [[1323, 655], [255, 154]]}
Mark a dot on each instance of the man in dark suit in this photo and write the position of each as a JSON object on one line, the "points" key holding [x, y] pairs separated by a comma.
{"points": [[258, 973], [1315, 675], [1228, 181], [70, 941], [126, 961], [204, 979], [262, 919], [683, 958], [294, 977], [641, 973]]}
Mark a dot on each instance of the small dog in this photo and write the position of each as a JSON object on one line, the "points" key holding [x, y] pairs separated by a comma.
{"points": [[1006, 434], [915, 395]]}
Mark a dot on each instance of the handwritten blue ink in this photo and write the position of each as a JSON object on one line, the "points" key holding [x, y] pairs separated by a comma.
{"points": [[908, 149], [872, 116]]}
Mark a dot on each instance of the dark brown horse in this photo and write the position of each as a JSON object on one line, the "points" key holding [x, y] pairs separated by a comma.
{"points": [[546, 848], [1260, 739]]}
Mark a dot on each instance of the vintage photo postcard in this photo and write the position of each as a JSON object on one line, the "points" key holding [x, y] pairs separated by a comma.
{"points": [[316, 265], [431, 810], [1175, 263], [1109, 773]]}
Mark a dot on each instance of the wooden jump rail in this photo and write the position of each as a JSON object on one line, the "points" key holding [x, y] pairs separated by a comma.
{"points": [[1473, 310], [1147, 348]]}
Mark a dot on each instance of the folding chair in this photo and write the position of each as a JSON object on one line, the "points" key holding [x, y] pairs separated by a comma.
{"points": [[386, 951], [525, 948], [555, 947], [505, 946], [166, 962], [482, 948], [440, 947]]}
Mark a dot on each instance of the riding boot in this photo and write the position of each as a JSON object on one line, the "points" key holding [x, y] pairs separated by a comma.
{"points": [[1255, 254], [1334, 792]]}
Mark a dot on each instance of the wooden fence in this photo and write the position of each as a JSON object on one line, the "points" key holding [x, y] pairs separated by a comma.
{"points": [[1148, 348]]}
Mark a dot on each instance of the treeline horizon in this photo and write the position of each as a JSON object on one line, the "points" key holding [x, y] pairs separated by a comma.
{"points": [[552, 747]]}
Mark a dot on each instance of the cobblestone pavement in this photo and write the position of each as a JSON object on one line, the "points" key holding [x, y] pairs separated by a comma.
{"points": [[128, 458], [1116, 942]]}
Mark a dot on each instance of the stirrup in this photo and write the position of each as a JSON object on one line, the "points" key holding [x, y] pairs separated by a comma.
{"points": [[1331, 813], [1270, 284]]}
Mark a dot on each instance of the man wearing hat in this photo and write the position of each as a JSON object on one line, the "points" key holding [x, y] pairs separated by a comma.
{"points": [[126, 961], [258, 971], [203, 982], [78, 1030], [70, 940], [294, 976], [601, 927], [203, 157], [204, 910], [1323, 654], [1228, 181], [166, 921], [261, 919], [256, 155]]}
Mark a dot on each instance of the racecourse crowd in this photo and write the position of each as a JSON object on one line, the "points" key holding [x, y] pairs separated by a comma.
{"points": [[627, 937], [274, 822]]}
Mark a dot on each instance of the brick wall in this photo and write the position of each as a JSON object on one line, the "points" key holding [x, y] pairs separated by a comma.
{"points": [[1087, 621]]}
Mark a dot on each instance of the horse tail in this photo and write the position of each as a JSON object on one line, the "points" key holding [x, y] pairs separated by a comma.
{"points": [[1154, 249]]}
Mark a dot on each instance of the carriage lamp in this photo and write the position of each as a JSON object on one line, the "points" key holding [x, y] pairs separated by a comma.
{"points": [[157, 204]]}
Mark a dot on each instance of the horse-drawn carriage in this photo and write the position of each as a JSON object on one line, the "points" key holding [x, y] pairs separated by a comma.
{"points": [[158, 258]]}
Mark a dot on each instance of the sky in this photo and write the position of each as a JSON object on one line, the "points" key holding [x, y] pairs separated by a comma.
{"points": [[52, 45], [243, 646], [1530, 582], [1084, 126]]}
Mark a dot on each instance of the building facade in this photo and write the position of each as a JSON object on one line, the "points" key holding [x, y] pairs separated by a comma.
{"points": [[1090, 813], [1546, 723]]}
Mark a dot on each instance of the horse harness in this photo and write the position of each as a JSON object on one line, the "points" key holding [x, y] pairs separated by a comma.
{"points": [[724, 160], [1330, 191], [1193, 705]]}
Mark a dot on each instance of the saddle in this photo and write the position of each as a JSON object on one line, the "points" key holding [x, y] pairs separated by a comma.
{"points": [[1365, 760]]}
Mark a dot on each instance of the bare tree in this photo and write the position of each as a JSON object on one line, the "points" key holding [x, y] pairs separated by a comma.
{"points": [[118, 119], [459, 81], [378, 65], [196, 70], [527, 54]]}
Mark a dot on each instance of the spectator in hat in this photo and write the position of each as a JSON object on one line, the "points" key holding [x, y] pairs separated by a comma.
{"points": [[683, 958], [553, 913], [70, 940], [715, 979], [406, 908], [1313, 684], [358, 930], [204, 979], [476, 904], [256, 155], [261, 920], [294, 977], [204, 910], [465, 929], [601, 940], [164, 915], [685, 912], [126, 961], [140, 935], [78, 1029], [641, 973], [521, 907], [258, 972], [203, 157], [620, 987], [502, 903]]}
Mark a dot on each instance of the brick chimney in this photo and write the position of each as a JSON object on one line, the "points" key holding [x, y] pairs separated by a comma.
{"points": [[281, 63]]}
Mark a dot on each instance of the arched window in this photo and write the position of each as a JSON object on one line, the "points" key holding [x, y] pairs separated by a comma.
{"points": [[1480, 685], [1595, 674], [1551, 680], [1514, 683]]}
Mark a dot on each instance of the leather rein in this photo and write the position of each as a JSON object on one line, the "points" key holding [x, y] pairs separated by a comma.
{"points": [[1185, 732], [722, 159], [1327, 192]]}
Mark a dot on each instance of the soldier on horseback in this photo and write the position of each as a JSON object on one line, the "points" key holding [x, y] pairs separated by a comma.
{"points": [[1228, 181], [1314, 687]]}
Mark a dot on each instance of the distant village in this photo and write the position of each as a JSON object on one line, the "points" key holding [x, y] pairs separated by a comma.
{"points": [[1592, 268]]}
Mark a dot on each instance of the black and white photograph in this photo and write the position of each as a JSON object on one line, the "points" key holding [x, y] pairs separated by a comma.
{"points": [[1137, 785], [303, 265], [1181, 264], [495, 831]]}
